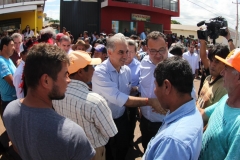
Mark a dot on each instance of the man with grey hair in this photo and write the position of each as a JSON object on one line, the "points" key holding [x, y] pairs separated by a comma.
{"points": [[17, 39], [112, 80], [65, 44]]}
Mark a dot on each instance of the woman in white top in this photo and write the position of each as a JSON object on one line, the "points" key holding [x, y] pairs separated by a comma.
{"points": [[28, 32]]}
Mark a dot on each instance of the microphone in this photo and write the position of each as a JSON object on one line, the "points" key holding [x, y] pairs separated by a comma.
{"points": [[201, 23]]}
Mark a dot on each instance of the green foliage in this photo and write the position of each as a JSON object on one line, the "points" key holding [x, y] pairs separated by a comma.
{"points": [[54, 20], [175, 22]]}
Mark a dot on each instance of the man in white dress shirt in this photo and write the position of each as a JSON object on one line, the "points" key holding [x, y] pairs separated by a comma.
{"points": [[192, 59], [157, 49]]}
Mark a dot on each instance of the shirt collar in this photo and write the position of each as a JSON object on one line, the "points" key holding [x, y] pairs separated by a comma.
{"points": [[190, 53], [180, 112], [132, 63], [79, 83], [147, 58], [111, 68]]}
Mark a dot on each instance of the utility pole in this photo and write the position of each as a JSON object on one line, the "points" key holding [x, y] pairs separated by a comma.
{"points": [[237, 23]]}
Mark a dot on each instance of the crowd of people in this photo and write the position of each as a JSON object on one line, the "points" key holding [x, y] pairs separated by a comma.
{"points": [[79, 99]]}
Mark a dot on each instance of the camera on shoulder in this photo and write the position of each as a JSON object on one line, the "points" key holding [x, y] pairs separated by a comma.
{"points": [[214, 27]]}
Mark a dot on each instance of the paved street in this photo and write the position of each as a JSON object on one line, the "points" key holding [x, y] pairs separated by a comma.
{"points": [[135, 152]]}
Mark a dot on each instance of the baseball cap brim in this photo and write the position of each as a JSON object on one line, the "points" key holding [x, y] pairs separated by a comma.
{"points": [[95, 61], [223, 60]]}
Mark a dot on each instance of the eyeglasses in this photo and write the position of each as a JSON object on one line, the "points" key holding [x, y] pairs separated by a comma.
{"points": [[154, 52]]}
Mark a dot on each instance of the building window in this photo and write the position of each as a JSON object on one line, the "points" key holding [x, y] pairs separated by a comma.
{"points": [[153, 27], [191, 36], [82, 0], [142, 2], [125, 27], [167, 4]]}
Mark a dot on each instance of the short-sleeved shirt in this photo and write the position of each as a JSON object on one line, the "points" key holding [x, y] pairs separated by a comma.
{"points": [[211, 94], [179, 137], [89, 110], [7, 67], [114, 86], [41, 133], [222, 136]]}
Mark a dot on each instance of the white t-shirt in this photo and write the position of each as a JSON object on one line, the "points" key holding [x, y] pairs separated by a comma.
{"points": [[30, 34]]}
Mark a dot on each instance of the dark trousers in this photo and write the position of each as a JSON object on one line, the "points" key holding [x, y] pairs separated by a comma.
{"points": [[117, 146], [6, 150], [148, 129], [4, 105], [4, 140], [132, 113]]}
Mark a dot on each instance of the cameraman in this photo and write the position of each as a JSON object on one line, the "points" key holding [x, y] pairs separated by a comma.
{"points": [[212, 90]]}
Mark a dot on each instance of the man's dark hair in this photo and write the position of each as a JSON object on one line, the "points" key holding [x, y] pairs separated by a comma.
{"points": [[5, 41], [154, 35], [177, 71], [99, 41], [219, 50], [42, 59], [143, 42], [176, 50], [134, 37]]}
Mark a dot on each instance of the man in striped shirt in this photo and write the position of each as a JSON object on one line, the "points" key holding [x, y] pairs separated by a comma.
{"points": [[86, 108]]}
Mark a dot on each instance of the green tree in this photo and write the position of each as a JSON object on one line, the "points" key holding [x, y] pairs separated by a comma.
{"points": [[54, 20], [175, 22]]}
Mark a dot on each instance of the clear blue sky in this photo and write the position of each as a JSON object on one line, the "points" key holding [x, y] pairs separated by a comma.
{"points": [[52, 8]]}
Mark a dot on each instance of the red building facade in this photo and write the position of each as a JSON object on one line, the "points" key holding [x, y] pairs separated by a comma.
{"points": [[135, 16]]}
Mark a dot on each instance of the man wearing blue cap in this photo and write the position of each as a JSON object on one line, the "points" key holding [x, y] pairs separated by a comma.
{"points": [[100, 52]]}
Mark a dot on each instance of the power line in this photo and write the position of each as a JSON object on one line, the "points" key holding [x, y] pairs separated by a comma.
{"points": [[206, 9], [206, 4], [215, 9], [203, 7]]}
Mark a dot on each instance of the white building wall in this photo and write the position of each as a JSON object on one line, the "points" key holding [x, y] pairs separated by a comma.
{"points": [[187, 30]]}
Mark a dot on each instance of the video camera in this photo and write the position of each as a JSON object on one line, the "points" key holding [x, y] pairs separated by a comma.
{"points": [[215, 27]]}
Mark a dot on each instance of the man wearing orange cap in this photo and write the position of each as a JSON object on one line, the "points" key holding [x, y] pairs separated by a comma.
{"points": [[222, 137], [86, 108]]}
